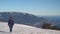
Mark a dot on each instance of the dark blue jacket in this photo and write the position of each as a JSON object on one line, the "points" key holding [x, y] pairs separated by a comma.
{"points": [[10, 22]]}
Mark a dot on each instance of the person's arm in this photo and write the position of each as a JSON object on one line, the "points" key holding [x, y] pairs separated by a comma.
{"points": [[13, 22]]}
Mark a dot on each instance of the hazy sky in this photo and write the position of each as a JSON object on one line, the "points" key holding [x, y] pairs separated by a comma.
{"points": [[36, 7]]}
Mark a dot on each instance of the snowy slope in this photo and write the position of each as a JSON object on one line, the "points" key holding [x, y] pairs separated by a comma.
{"points": [[24, 29]]}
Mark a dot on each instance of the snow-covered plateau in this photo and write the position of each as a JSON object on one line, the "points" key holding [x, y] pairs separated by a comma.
{"points": [[24, 29]]}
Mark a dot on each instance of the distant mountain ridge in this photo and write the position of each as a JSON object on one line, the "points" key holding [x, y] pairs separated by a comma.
{"points": [[24, 18]]}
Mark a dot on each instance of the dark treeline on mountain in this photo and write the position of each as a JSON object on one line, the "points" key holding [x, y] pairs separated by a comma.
{"points": [[24, 18], [50, 26]]}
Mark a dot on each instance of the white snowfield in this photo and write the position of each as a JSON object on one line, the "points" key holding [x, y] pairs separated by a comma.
{"points": [[24, 29]]}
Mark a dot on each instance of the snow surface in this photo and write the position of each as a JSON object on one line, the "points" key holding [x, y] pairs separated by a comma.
{"points": [[24, 29]]}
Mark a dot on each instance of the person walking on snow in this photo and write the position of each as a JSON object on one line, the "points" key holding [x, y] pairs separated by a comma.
{"points": [[10, 23]]}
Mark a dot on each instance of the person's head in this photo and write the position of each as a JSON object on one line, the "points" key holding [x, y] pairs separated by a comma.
{"points": [[10, 18]]}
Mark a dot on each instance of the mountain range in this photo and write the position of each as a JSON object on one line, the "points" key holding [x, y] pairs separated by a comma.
{"points": [[25, 18]]}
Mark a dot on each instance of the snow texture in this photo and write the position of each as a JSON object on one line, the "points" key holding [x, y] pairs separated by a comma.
{"points": [[24, 29]]}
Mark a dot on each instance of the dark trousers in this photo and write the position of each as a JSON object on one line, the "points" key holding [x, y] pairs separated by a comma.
{"points": [[10, 27]]}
